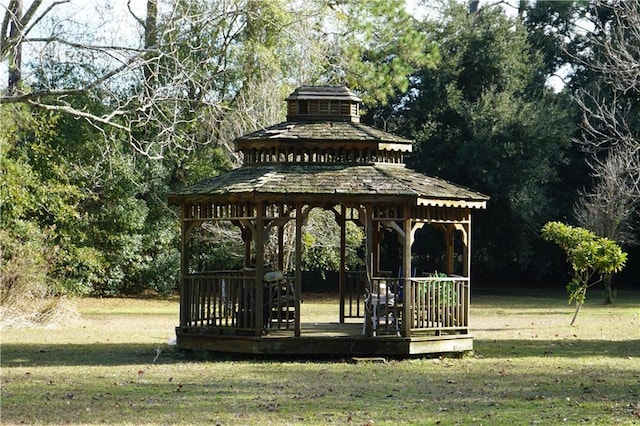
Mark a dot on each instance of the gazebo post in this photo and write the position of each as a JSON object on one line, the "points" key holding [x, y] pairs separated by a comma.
{"points": [[184, 267], [281, 246], [406, 275], [369, 241], [342, 222], [376, 248], [298, 284], [467, 248], [259, 244], [368, 258], [449, 237], [246, 238]]}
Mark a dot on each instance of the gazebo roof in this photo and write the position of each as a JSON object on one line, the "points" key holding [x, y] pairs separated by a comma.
{"points": [[335, 131], [323, 154], [333, 181]]}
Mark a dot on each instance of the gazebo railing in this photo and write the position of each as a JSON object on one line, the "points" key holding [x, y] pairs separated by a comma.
{"points": [[439, 304], [227, 302], [353, 294], [221, 299]]}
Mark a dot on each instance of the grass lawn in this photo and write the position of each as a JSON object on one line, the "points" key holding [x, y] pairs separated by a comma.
{"points": [[529, 367]]}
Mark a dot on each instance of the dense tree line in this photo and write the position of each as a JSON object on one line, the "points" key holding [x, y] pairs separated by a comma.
{"points": [[95, 132]]}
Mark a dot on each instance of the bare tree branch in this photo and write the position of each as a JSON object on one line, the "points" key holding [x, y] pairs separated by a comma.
{"points": [[616, 44], [610, 125]]}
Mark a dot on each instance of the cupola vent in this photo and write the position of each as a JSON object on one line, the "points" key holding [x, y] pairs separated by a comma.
{"points": [[323, 103]]}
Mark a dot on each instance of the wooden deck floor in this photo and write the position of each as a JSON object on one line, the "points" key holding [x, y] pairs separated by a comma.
{"points": [[330, 338]]}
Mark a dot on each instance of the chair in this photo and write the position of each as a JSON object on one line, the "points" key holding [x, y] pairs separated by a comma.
{"points": [[383, 309], [279, 301]]}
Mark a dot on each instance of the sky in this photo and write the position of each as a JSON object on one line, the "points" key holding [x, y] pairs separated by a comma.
{"points": [[113, 23], [81, 21]]}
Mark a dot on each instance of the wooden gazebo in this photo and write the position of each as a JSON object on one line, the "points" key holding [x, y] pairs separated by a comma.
{"points": [[323, 157]]}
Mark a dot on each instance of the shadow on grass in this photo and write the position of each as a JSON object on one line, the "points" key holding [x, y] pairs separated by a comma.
{"points": [[517, 348], [102, 354], [106, 354]]}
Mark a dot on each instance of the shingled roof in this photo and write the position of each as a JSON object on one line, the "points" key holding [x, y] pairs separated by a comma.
{"points": [[333, 181], [323, 131], [326, 154]]}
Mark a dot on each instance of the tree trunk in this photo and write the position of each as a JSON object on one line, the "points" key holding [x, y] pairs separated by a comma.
{"points": [[608, 298], [150, 44], [578, 306], [15, 55], [522, 8]]}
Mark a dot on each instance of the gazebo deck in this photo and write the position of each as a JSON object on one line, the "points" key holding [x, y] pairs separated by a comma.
{"points": [[327, 338]]}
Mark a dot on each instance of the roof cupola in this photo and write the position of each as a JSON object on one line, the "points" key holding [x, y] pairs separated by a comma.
{"points": [[323, 103]]}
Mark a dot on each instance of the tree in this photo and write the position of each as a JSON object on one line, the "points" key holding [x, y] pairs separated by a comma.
{"points": [[321, 243], [483, 118], [591, 258], [610, 125], [116, 123], [193, 62], [557, 29], [378, 46]]}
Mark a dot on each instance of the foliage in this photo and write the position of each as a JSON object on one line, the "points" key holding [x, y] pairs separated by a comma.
{"points": [[555, 30], [38, 197], [442, 292], [321, 243], [216, 246], [99, 205], [378, 47], [110, 124], [30, 283], [610, 121], [484, 119], [590, 257], [103, 126]]}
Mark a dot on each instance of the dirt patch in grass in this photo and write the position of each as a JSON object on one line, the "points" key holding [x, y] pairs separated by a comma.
{"points": [[529, 367]]}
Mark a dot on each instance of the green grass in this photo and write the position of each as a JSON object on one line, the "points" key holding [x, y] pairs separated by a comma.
{"points": [[529, 367]]}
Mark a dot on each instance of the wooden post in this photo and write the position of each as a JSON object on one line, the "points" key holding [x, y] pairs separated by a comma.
{"points": [[368, 261], [449, 236], [341, 218], [406, 275], [259, 244], [369, 241], [281, 246], [298, 285], [246, 238], [185, 283], [376, 248], [467, 271], [467, 249]]}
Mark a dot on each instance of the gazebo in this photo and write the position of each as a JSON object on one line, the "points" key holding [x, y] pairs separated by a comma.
{"points": [[323, 157]]}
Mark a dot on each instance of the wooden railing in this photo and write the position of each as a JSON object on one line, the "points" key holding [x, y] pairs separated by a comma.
{"points": [[227, 302], [235, 302], [439, 303], [221, 299], [352, 301], [433, 304]]}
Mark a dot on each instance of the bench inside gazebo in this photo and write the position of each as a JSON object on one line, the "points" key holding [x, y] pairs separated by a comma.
{"points": [[323, 157]]}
